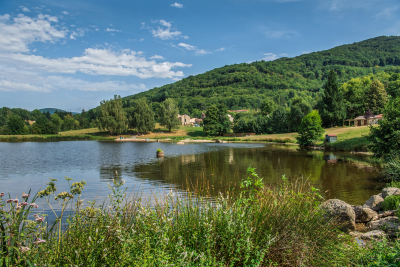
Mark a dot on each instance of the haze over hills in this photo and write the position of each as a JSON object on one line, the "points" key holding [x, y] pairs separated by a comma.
{"points": [[245, 85], [52, 110]]}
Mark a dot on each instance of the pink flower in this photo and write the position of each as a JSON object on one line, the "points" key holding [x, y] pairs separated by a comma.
{"points": [[33, 205], [18, 207], [39, 241], [24, 249], [15, 200], [24, 204], [1, 194], [40, 219], [9, 200], [25, 195]]}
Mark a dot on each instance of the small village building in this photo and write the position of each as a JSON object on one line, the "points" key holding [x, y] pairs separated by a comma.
{"points": [[362, 120], [185, 119], [331, 138]]}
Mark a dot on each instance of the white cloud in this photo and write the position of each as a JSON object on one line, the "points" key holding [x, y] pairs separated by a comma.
{"points": [[25, 9], [97, 29], [336, 5], [201, 52], [305, 52], [187, 46], [97, 62], [220, 49], [12, 86], [164, 32], [78, 32], [112, 30], [157, 57], [177, 5], [280, 34], [269, 56], [65, 12], [185, 37], [387, 13], [18, 33], [283, 55]]}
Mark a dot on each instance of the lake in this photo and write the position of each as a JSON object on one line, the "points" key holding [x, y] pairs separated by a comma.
{"points": [[28, 165]]}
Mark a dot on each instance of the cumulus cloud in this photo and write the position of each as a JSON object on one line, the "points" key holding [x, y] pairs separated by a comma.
{"points": [[12, 86], [78, 32], [17, 33], [269, 56], [65, 12], [164, 32], [25, 9], [220, 49], [187, 46], [305, 52], [98, 62], [157, 57], [177, 5], [193, 48]]}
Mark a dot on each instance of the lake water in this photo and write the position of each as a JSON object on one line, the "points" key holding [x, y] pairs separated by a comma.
{"points": [[28, 165]]}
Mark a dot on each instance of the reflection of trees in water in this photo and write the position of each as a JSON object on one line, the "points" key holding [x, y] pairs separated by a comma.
{"points": [[220, 170]]}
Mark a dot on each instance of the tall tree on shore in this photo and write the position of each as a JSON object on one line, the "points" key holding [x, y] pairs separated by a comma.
{"points": [[112, 116], [310, 129], [376, 97], [332, 107], [217, 122], [169, 114], [141, 116]]}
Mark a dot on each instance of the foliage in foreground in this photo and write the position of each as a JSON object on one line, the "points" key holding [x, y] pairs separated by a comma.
{"points": [[261, 226], [380, 253]]}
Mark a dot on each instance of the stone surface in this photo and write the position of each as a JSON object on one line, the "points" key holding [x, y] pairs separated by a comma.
{"points": [[357, 210], [342, 211], [374, 203], [367, 215], [382, 223], [180, 143], [387, 213], [376, 234], [386, 192]]}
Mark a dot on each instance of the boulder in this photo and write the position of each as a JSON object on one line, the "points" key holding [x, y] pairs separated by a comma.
{"points": [[357, 210], [386, 192], [341, 211], [374, 203], [364, 215], [376, 234], [382, 223]]}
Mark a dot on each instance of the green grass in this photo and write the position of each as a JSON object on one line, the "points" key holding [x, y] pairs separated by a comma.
{"points": [[46, 138], [359, 144], [256, 226]]}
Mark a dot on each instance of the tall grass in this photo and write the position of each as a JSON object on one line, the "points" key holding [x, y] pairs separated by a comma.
{"points": [[255, 225], [354, 144], [391, 168], [46, 138]]}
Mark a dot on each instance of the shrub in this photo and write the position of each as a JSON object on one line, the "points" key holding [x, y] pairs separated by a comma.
{"points": [[159, 150], [310, 129], [391, 203], [391, 168]]}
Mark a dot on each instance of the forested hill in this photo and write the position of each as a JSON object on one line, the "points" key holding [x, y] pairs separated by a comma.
{"points": [[245, 85]]}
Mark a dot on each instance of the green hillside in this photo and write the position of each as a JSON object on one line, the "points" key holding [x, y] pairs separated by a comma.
{"points": [[244, 85]]}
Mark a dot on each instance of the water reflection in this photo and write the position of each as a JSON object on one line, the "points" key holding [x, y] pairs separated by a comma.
{"points": [[351, 178]]}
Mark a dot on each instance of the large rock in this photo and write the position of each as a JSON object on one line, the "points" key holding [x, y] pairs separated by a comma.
{"points": [[386, 192], [391, 225], [374, 203], [341, 211], [376, 234], [364, 215]]}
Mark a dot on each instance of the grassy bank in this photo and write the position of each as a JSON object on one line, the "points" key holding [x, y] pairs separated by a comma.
{"points": [[46, 138]]}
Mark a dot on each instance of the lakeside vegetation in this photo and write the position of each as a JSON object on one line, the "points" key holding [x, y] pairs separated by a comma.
{"points": [[254, 225]]}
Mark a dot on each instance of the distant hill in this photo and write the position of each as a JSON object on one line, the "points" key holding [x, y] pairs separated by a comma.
{"points": [[242, 86], [52, 110]]}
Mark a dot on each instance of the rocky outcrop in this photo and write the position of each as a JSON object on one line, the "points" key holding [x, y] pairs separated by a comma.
{"points": [[390, 191], [341, 211], [364, 215], [374, 203], [376, 234]]}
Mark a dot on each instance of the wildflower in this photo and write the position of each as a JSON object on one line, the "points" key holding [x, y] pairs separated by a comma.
{"points": [[24, 249], [25, 195], [1, 194], [33, 205], [18, 207], [39, 241], [39, 219], [24, 204], [15, 200], [9, 200]]}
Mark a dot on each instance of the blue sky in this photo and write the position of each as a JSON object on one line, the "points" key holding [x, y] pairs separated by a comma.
{"points": [[73, 54]]}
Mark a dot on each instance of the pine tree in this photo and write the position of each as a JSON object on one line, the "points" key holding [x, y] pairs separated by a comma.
{"points": [[332, 107]]}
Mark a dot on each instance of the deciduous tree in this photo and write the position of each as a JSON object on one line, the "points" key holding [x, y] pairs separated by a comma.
{"points": [[169, 114], [112, 116], [141, 116], [310, 129]]}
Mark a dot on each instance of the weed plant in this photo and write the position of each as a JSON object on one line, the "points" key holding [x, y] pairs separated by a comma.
{"points": [[391, 168], [255, 225]]}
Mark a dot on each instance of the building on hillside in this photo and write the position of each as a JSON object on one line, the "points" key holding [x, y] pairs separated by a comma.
{"points": [[362, 120], [230, 118], [192, 120], [198, 121], [185, 119]]}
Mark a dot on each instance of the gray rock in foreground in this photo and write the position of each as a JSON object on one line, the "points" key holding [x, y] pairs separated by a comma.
{"points": [[390, 191], [374, 203], [391, 225], [342, 211], [376, 234]]}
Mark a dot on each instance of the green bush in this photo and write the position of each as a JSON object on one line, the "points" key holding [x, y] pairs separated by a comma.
{"points": [[159, 150], [310, 129], [391, 168], [391, 203], [379, 253]]}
